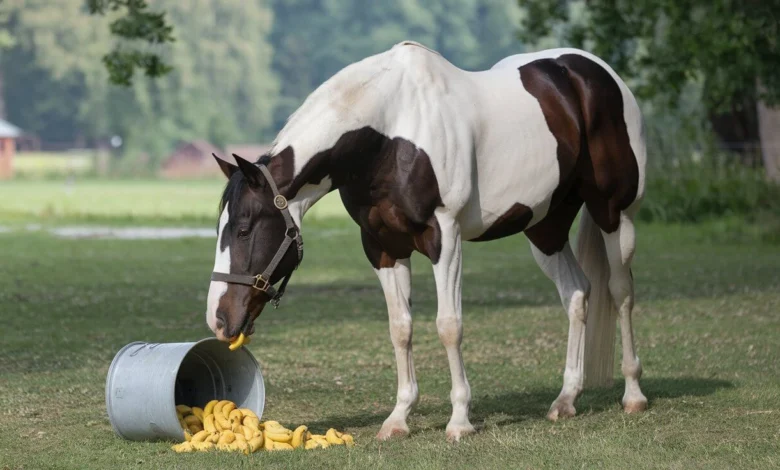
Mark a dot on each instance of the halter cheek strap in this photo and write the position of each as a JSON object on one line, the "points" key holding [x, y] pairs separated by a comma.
{"points": [[262, 282]]}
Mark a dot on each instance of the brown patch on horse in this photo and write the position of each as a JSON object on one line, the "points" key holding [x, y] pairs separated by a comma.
{"points": [[387, 186], [610, 183], [550, 84], [513, 221], [583, 107], [550, 234]]}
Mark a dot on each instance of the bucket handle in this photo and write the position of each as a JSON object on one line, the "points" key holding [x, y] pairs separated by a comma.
{"points": [[150, 345]]}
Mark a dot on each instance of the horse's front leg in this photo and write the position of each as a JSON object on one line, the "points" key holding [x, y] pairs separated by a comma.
{"points": [[396, 280], [447, 271]]}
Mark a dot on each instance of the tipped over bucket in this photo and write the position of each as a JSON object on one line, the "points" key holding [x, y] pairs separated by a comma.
{"points": [[147, 380]]}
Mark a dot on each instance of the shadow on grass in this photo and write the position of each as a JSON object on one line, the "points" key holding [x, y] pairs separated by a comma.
{"points": [[514, 407]]}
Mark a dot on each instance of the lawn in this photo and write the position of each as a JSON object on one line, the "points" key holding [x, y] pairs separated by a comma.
{"points": [[53, 163], [150, 202], [707, 324]]}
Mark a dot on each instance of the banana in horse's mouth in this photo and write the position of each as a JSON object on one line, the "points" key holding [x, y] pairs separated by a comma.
{"points": [[238, 342]]}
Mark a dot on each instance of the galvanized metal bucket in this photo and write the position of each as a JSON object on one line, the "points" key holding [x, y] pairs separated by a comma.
{"points": [[147, 380]]}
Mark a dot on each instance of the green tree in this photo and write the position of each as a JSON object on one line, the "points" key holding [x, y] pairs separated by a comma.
{"points": [[221, 86], [135, 25], [730, 47]]}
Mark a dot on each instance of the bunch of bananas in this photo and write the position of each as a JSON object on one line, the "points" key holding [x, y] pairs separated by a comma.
{"points": [[221, 426]]}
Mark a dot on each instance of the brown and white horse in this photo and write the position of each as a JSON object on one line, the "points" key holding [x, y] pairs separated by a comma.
{"points": [[425, 156]]}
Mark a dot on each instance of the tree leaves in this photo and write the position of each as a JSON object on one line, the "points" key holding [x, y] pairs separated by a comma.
{"points": [[137, 24]]}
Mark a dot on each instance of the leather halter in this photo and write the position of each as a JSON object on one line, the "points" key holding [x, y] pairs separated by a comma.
{"points": [[262, 282]]}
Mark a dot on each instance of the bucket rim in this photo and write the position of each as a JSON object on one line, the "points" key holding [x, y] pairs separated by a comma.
{"points": [[258, 376]]}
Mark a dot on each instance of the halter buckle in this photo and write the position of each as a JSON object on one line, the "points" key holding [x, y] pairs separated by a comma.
{"points": [[261, 283], [280, 202]]}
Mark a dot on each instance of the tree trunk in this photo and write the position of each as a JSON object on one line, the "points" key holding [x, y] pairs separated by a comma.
{"points": [[2, 99], [737, 130], [769, 130]]}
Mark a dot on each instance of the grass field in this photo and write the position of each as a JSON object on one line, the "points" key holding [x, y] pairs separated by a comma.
{"points": [[707, 324], [53, 163], [150, 202]]}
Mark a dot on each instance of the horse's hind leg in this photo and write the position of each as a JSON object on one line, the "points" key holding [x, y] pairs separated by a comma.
{"points": [[620, 246], [573, 287]]}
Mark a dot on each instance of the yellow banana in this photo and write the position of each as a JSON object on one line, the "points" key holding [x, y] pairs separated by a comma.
{"points": [[187, 435], [184, 410], [209, 408], [221, 422], [218, 407], [348, 439], [238, 342], [240, 445], [247, 412], [271, 424], [322, 442], [230, 406], [183, 447], [255, 444], [200, 437], [208, 424], [333, 438], [223, 447], [236, 415], [278, 436], [213, 438], [299, 436], [198, 412], [252, 423], [282, 446], [192, 419], [202, 446], [268, 444], [249, 433], [236, 427], [312, 444], [195, 428], [226, 437]]}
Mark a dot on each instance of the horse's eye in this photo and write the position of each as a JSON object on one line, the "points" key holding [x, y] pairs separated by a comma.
{"points": [[243, 233]]}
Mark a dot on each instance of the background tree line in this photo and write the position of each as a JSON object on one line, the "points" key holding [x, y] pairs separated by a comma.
{"points": [[238, 68]]}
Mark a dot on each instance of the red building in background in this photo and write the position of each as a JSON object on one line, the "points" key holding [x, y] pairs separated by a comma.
{"points": [[8, 135]]}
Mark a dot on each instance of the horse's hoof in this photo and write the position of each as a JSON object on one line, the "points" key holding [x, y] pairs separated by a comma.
{"points": [[561, 408], [635, 405], [392, 430], [456, 432]]}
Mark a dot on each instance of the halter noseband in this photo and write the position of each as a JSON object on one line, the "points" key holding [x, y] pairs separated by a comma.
{"points": [[262, 282]]}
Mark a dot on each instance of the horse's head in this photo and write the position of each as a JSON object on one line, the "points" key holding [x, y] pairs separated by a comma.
{"points": [[254, 225]]}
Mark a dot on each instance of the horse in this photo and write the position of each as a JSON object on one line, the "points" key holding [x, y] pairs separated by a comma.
{"points": [[426, 155]]}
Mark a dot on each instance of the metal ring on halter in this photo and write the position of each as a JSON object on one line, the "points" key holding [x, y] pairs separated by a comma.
{"points": [[280, 202]]}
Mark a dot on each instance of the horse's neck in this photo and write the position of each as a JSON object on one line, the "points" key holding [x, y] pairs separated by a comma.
{"points": [[344, 123]]}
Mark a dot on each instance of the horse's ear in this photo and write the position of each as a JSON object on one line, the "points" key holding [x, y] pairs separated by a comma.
{"points": [[227, 168], [251, 172]]}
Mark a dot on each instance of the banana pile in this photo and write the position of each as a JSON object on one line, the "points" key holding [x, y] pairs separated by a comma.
{"points": [[221, 426]]}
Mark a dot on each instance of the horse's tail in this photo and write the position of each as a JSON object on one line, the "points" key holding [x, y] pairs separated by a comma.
{"points": [[602, 315]]}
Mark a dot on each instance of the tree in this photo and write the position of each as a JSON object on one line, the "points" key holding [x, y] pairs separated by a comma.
{"points": [[220, 86], [729, 46], [138, 24]]}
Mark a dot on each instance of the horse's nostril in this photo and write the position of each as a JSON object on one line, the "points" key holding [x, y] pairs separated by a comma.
{"points": [[220, 320]]}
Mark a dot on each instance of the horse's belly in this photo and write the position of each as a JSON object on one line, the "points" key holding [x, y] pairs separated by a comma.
{"points": [[517, 168]]}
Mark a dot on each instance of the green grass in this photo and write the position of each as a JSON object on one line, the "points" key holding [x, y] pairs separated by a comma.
{"points": [[52, 163], [151, 202], [707, 327]]}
